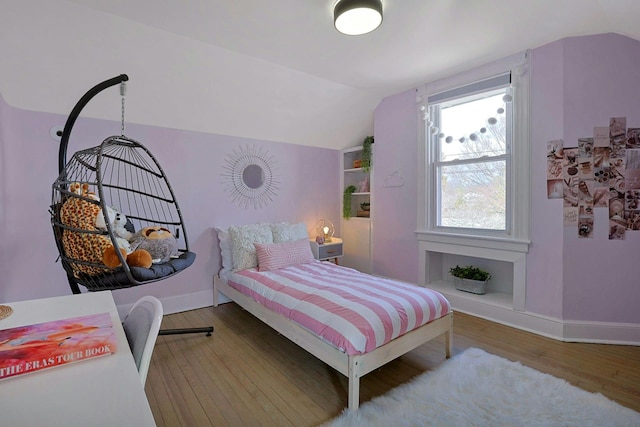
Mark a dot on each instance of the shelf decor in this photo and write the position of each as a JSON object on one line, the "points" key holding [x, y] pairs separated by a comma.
{"points": [[346, 201], [470, 279], [366, 154]]}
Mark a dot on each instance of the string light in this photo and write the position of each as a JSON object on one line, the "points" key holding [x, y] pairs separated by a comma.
{"points": [[473, 136]]}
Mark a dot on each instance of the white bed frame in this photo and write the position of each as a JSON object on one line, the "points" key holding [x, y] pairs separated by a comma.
{"points": [[354, 366]]}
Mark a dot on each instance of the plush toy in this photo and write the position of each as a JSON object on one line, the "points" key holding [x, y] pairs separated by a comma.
{"points": [[82, 190], [137, 258], [158, 241], [80, 212], [119, 226], [117, 221]]}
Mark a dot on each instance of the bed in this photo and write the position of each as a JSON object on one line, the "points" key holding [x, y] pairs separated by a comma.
{"points": [[352, 321]]}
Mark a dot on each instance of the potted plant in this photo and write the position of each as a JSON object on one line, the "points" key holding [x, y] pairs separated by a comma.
{"points": [[366, 154], [470, 279], [346, 201]]}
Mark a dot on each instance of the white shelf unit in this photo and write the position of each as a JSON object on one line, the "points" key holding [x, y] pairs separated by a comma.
{"points": [[356, 231], [506, 262]]}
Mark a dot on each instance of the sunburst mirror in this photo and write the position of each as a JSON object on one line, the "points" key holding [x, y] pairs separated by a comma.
{"points": [[249, 177]]}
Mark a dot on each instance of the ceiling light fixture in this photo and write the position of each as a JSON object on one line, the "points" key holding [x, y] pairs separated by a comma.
{"points": [[356, 17]]}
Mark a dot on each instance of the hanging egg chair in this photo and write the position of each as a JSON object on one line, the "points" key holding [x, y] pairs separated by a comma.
{"points": [[113, 210]]}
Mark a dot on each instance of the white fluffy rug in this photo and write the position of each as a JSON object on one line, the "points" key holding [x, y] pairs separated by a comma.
{"points": [[476, 388]]}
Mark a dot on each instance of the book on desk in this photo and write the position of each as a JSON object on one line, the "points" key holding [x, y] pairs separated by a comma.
{"points": [[31, 348]]}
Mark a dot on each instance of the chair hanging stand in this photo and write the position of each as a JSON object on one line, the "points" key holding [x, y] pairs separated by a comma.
{"points": [[100, 198]]}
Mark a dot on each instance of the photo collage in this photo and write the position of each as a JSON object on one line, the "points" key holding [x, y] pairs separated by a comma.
{"points": [[603, 171]]}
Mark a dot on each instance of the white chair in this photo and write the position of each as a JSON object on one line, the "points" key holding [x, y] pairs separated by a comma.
{"points": [[141, 327]]}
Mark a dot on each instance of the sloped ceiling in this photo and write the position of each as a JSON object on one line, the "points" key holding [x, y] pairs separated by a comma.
{"points": [[274, 70]]}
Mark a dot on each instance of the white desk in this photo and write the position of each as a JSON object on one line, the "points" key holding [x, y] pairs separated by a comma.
{"points": [[104, 391]]}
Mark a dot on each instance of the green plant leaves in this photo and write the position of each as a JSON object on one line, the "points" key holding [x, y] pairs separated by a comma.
{"points": [[469, 272], [346, 201]]}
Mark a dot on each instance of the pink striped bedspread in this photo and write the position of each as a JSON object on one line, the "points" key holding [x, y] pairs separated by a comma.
{"points": [[355, 312]]}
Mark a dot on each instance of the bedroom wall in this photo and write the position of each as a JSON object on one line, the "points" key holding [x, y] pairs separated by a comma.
{"points": [[545, 259], [577, 83], [193, 162], [395, 206], [601, 80]]}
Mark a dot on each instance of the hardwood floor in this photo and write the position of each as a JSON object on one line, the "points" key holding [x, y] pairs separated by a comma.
{"points": [[246, 374]]}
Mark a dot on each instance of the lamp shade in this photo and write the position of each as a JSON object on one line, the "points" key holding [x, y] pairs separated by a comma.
{"points": [[325, 229], [356, 17]]}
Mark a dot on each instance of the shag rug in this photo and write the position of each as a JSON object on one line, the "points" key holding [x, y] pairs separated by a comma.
{"points": [[476, 388]]}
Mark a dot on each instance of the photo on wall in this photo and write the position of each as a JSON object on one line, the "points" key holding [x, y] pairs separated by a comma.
{"points": [[603, 171], [555, 160]]}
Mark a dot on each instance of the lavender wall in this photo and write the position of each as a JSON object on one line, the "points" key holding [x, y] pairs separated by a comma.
{"points": [[601, 80], [545, 258], [193, 162], [576, 84], [395, 246]]}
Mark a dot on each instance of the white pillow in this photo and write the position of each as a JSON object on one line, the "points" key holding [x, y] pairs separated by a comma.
{"points": [[285, 232], [225, 249], [243, 252], [272, 256]]}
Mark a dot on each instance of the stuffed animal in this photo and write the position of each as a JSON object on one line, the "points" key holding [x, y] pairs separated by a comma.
{"points": [[117, 221], [158, 241], [137, 258], [83, 190], [119, 226], [81, 243]]}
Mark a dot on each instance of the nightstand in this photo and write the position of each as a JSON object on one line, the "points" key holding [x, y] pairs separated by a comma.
{"points": [[326, 251]]}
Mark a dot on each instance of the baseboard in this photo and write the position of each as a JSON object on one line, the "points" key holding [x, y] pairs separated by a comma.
{"points": [[558, 329], [602, 332], [186, 302], [177, 303]]}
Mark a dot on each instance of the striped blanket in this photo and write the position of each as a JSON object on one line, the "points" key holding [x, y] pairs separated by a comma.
{"points": [[354, 311]]}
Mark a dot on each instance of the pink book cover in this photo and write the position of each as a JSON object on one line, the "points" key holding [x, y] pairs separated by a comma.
{"points": [[31, 348]]}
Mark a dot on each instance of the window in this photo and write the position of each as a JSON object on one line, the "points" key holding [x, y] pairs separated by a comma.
{"points": [[474, 145], [471, 138]]}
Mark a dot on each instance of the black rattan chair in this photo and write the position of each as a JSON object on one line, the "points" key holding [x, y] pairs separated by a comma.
{"points": [[122, 173]]}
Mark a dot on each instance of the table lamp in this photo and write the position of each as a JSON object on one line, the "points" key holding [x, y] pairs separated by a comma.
{"points": [[325, 229]]}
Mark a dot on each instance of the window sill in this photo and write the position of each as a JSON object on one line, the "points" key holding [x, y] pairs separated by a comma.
{"points": [[484, 242]]}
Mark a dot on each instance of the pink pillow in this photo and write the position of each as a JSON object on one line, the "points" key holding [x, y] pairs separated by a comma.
{"points": [[272, 256]]}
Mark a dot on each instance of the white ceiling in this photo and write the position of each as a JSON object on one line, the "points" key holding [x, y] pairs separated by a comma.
{"points": [[419, 40], [268, 69]]}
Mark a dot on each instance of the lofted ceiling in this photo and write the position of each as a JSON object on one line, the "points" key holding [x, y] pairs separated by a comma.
{"points": [[419, 41]]}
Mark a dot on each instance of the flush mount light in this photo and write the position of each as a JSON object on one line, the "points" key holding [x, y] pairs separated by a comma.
{"points": [[356, 17]]}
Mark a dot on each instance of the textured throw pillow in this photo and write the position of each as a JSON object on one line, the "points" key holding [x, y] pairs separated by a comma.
{"points": [[243, 252], [285, 232], [225, 249], [285, 254]]}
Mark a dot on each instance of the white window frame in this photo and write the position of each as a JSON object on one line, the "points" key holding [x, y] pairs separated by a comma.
{"points": [[434, 144], [518, 189]]}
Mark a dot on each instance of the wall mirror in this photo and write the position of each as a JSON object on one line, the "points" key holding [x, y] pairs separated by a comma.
{"points": [[249, 177], [253, 176]]}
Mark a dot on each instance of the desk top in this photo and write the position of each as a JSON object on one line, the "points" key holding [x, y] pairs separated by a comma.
{"points": [[104, 391]]}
